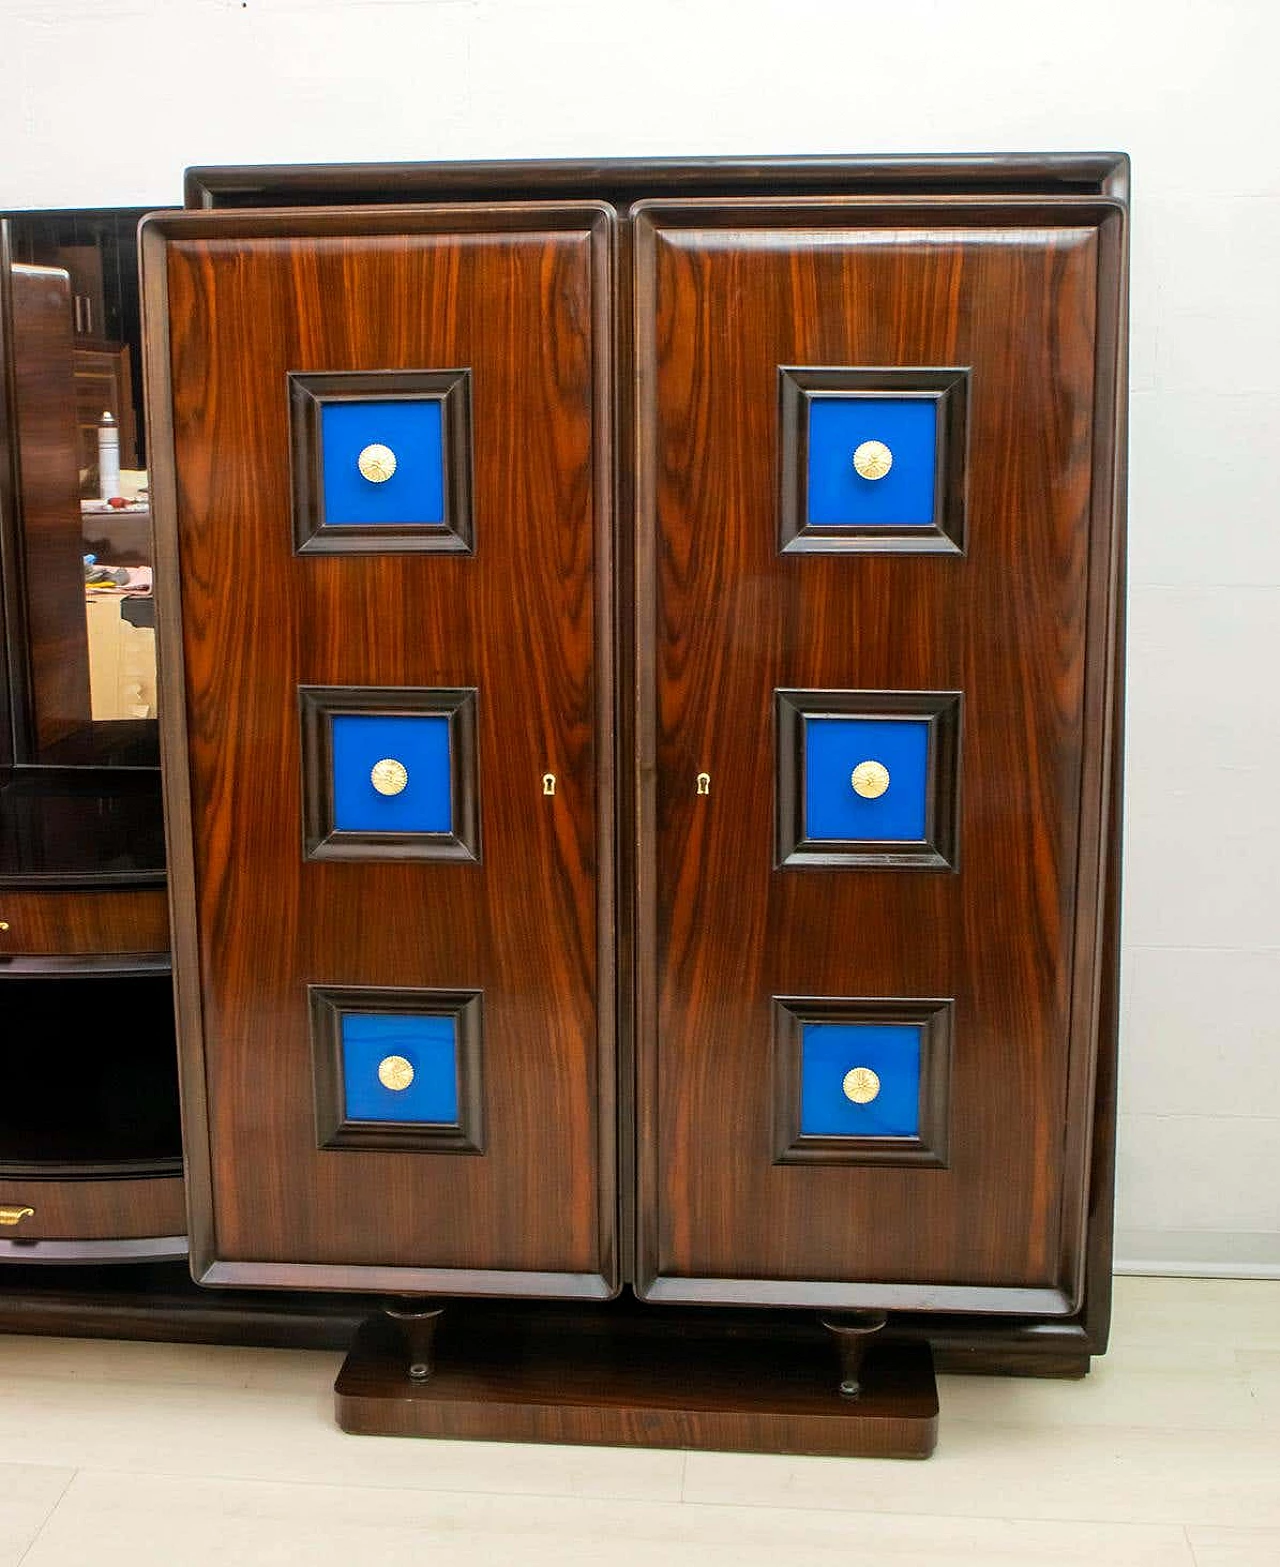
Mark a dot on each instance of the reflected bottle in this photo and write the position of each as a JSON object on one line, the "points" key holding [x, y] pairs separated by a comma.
{"points": [[108, 457]]}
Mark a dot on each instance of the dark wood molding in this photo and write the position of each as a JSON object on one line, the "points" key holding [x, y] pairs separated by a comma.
{"points": [[52, 1253], [396, 1279], [948, 388], [873, 1295], [628, 179], [928, 1148], [72, 966], [161, 1302], [175, 770], [1089, 1125], [1096, 1285], [940, 848], [334, 1129], [15, 690], [318, 706], [310, 391]]}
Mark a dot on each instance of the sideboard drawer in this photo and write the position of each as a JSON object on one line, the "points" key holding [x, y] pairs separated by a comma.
{"points": [[36, 1214], [75, 922]]}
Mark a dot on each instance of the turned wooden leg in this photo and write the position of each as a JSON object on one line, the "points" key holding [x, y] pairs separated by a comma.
{"points": [[852, 1334], [417, 1323]]}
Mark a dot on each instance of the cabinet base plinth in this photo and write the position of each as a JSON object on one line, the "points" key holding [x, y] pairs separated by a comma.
{"points": [[529, 1382]]}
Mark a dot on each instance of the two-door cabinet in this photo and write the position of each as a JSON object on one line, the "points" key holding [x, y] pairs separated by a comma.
{"points": [[640, 650]]}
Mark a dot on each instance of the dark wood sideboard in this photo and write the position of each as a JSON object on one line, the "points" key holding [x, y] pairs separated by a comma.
{"points": [[641, 717]]}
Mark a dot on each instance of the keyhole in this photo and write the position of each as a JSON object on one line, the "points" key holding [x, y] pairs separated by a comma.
{"points": [[548, 783], [704, 783]]}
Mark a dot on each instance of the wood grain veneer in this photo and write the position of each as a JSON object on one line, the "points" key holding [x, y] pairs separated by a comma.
{"points": [[1022, 293], [150, 1208], [49, 501], [521, 296], [86, 922]]}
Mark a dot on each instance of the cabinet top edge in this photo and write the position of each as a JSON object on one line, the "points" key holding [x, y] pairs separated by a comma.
{"points": [[622, 180]]}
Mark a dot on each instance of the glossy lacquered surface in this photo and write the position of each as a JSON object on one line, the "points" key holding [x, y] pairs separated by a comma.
{"points": [[48, 491], [519, 630], [83, 1219], [1005, 925], [693, 1386], [997, 938], [84, 922]]}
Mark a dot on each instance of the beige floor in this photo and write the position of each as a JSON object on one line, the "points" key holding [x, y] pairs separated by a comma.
{"points": [[165, 1456]]}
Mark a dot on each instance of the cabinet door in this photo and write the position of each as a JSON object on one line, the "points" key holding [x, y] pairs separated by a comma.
{"points": [[876, 618], [382, 495]]}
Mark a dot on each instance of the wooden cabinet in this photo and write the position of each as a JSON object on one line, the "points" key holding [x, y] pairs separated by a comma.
{"points": [[90, 1141], [679, 597]]}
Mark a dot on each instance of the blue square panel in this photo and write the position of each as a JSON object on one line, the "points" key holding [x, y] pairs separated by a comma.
{"points": [[412, 428], [383, 1050], [833, 808], [838, 494], [420, 744], [888, 1055]]}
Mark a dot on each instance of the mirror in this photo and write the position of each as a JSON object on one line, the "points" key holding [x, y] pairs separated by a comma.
{"points": [[81, 488], [79, 754]]}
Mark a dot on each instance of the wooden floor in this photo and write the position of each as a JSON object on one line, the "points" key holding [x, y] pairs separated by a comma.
{"points": [[165, 1456]]}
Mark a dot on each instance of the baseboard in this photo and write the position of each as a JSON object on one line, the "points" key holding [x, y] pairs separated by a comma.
{"points": [[1209, 1254]]}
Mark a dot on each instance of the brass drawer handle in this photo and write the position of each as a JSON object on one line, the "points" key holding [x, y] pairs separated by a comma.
{"points": [[870, 780], [861, 1085], [872, 460], [395, 1073], [4, 925], [16, 1215], [389, 776], [376, 463]]}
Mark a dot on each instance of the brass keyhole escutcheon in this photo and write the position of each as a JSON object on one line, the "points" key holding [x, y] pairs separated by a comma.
{"points": [[16, 1215], [376, 463], [861, 1085], [389, 776], [548, 783], [870, 780], [872, 460], [704, 783], [395, 1073]]}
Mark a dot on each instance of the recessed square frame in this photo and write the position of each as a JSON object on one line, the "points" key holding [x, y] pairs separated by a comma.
{"points": [[309, 391], [938, 849], [321, 839], [928, 1148], [328, 1004], [798, 385]]}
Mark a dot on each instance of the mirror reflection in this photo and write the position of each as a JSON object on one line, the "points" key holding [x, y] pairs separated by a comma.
{"points": [[79, 742], [82, 502]]}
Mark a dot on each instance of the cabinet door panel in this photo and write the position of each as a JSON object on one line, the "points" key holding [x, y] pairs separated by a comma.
{"points": [[799, 632], [395, 1002]]}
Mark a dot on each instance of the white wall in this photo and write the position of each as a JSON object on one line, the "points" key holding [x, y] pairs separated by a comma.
{"points": [[104, 103]]}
